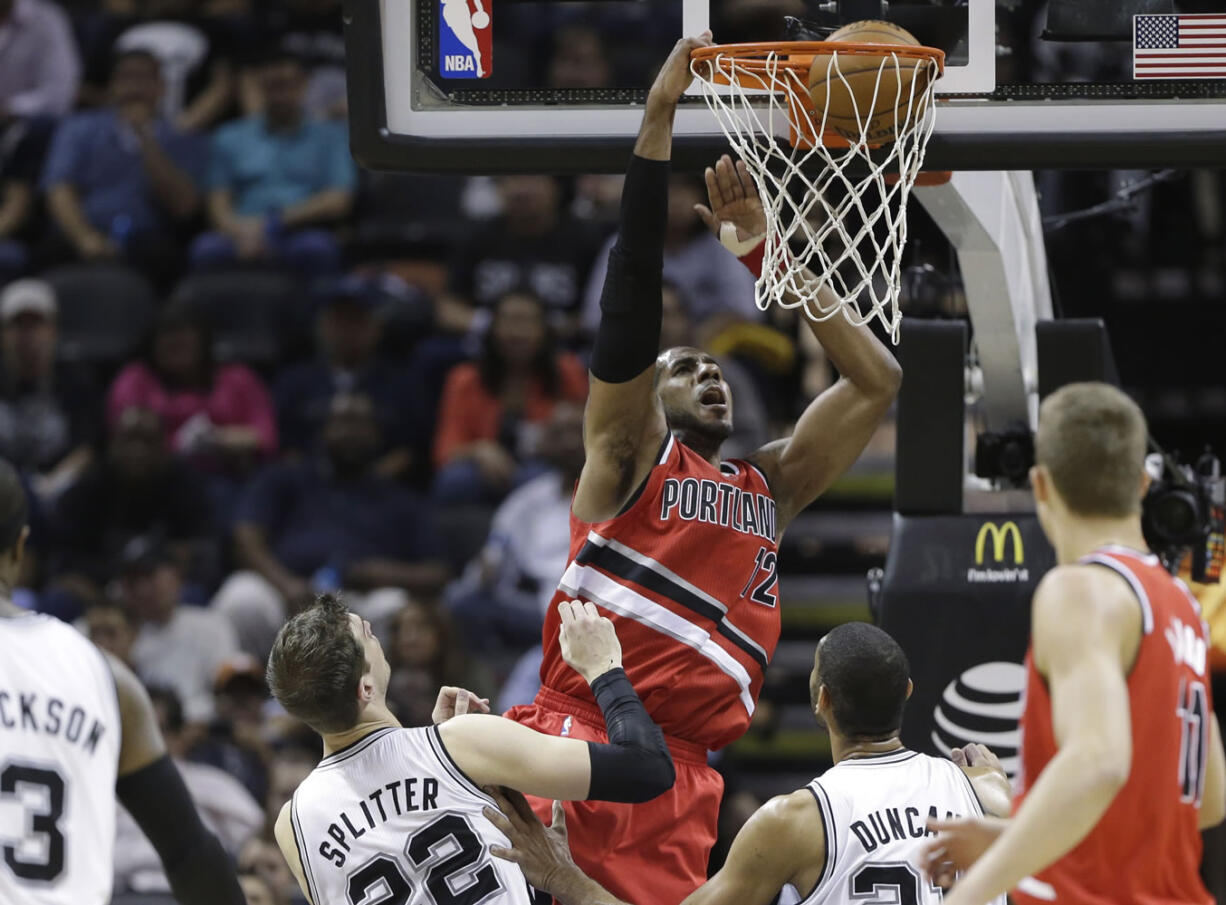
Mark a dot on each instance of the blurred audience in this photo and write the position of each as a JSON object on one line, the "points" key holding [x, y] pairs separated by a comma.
{"points": [[327, 523], [40, 66], [312, 31], [49, 419], [219, 416], [719, 289], [502, 597], [225, 807], [348, 328], [138, 489], [122, 181], [257, 890], [23, 147], [261, 858], [109, 625], [177, 647], [579, 59], [278, 181], [492, 409], [239, 739], [425, 654], [533, 246]]}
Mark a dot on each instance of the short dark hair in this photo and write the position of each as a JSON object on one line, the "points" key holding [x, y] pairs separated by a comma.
{"points": [[1092, 439], [135, 53], [14, 507], [866, 674], [315, 666]]}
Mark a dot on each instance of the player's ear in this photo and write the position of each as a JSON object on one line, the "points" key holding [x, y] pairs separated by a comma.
{"points": [[910, 688], [1039, 483]]}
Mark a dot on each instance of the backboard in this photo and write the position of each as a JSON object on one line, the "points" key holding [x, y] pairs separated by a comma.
{"points": [[485, 86]]}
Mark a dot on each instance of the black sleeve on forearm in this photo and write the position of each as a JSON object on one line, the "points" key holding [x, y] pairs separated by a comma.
{"points": [[198, 868], [628, 338], [635, 766]]}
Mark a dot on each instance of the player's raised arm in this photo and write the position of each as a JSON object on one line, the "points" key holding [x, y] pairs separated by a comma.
{"points": [[837, 425], [1086, 628], [150, 787], [624, 424], [634, 766], [783, 842], [1213, 800]]}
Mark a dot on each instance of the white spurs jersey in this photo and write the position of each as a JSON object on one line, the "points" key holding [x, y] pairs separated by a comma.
{"points": [[392, 819], [59, 751], [875, 811]]}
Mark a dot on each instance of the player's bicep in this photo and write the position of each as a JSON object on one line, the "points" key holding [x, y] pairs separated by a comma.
{"points": [[283, 830], [829, 437], [500, 752], [776, 844]]}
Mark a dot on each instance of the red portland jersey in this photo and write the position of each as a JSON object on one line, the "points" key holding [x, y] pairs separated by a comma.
{"points": [[687, 574], [1147, 847]]}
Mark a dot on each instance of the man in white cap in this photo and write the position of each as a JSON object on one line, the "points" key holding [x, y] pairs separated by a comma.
{"points": [[48, 412]]}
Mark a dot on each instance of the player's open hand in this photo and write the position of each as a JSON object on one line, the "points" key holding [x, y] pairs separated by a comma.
{"points": [[957, 845], [735, 215], [452, 701], [675, 75], [589, 641], [542, 854]]}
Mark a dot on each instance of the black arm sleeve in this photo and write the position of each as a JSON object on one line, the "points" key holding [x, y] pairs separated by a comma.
{"points": [[635, 766], [199, 870], [628, 338]]}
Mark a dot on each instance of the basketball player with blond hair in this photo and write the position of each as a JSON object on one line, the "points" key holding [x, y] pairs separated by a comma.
{"points": [[676, 545], [1122, 761]]}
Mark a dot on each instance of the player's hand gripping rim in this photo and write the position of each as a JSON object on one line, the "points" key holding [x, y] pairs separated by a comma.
{"points": [[588, 640]]}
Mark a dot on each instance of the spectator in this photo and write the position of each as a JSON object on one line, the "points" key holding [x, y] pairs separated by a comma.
{"points": [[579, 59], [23, 147], [502, 597], [750, 431], [291, 766], [261, 858], [330, 522], [225, 807], [138, 490], [277, 180], [312, 31], [257, 890], [491, 410], [424, 655], [121, 181], [48, 410], [110, 627], [39, 66], [348, 329], [219, 416], [531, 247], [719, 289], [237, 741], [177, 647]]}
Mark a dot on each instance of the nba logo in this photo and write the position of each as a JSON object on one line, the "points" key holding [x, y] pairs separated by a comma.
{"points": [[465, 39]]}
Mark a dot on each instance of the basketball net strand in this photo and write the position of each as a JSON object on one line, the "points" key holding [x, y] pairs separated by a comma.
{"points": [[847, 221]]}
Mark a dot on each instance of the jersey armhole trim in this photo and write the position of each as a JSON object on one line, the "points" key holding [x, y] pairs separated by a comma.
{"points": [[299, 844], [831, 848], [457, 773], [1138, 590], [970, 785]]}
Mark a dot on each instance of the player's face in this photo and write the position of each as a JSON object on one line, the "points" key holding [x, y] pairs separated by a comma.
{"points": [[694, 394], [380, 670]]}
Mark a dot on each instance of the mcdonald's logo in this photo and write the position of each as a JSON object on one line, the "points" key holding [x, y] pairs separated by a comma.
{"points": [[999, 535]]}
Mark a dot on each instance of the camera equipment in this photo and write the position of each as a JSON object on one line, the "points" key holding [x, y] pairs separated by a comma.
{"points": [[1005, 456], [1185, 510]]}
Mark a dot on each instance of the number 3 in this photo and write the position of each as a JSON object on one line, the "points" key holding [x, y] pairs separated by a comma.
{"points": [[45, 822]]}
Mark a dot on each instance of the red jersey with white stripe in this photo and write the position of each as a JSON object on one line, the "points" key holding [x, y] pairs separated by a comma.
{"points": [[1147, 847], [687, 574]]}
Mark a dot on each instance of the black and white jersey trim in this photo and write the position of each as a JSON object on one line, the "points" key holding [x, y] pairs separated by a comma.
{"points": [[453, 769], [300, 845], [354, 749]]}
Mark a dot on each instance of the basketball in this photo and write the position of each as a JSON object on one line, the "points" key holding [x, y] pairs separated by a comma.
{"points": [[845, 88], [481, 19]]}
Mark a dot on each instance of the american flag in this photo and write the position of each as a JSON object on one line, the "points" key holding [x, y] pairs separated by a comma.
{"points": [[1179, 47]]}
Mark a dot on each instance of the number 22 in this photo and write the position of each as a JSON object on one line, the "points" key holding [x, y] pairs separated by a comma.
{"points": [[765, 564]]}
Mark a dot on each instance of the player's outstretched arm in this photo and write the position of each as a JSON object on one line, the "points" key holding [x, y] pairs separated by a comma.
{"points": [[988, 778], [634, 766], [150, 787], [1213, 801], [783, 842], [624, 424], [837, 425], [1085, 629]]}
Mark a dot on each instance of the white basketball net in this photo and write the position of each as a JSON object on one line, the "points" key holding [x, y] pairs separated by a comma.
{"points": [[830, 209]]}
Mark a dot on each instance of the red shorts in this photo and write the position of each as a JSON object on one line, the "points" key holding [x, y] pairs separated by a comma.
{"points": [[653, 853]]}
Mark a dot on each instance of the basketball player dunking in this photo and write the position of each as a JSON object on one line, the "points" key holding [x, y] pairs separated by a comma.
{"points": [[678, 547], [852, 834], [400, 810], [78, 730], [1122, 760]]}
